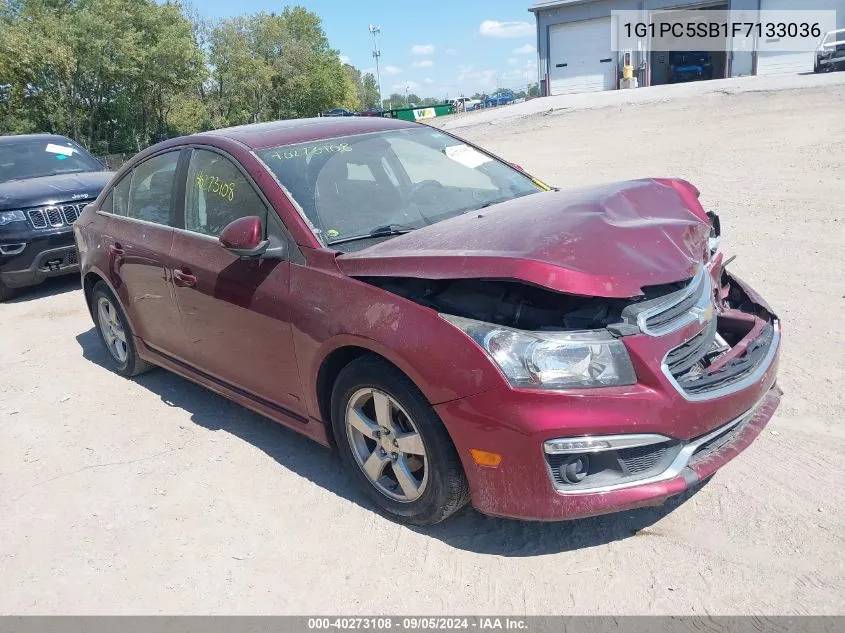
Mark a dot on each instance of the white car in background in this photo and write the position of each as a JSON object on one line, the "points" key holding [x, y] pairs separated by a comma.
{"points": [[465, 104], [830, 55]]}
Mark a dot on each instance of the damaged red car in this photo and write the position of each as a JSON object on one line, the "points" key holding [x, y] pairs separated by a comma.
{"points": [[458, 330]]}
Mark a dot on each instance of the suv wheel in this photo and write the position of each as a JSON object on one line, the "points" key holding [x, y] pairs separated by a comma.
{"points": [[115, 333], [395, 444], [5, 292]]}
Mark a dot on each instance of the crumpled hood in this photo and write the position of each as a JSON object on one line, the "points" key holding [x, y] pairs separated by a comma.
{"points": [[607, 241], [44, 190]]}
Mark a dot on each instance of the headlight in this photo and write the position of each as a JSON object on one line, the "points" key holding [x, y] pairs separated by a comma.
{"points": [[552, 360], [11, 216]]}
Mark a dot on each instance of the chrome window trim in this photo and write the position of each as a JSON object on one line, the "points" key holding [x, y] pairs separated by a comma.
{"points": [[695, 313], [674, 469], [166, 227], [744, 383]]}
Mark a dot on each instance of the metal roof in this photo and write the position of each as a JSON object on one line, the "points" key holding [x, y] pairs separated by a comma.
{"points": [[540, 5]]}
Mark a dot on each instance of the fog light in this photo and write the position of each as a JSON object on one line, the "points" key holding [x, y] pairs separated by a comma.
{"points": [[574, 469]]}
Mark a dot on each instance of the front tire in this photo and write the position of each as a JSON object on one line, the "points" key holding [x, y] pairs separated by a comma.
{"points": [[395, 445], [115, 333], [5, 292]]}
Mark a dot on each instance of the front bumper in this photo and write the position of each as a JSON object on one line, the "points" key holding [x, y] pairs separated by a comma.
{"points": [[43, 256], [706, 434]]}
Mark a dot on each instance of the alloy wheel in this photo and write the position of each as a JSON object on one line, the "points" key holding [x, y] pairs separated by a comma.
{"points": [[112, 330], [386, 445]]}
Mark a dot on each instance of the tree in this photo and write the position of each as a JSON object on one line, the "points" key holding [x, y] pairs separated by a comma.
{"points": [[118, 75], [369, 95]]}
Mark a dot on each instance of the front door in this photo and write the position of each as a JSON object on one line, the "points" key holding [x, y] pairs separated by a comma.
{"points": [[140, 237], [235, 312]]}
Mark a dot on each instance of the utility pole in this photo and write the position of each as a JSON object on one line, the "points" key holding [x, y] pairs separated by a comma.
{"points": [[375, 29]]}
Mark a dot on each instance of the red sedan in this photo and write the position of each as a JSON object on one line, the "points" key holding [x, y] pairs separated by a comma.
{"points": [[456, 329]]}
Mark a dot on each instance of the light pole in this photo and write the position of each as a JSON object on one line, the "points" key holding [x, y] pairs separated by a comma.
{"points": [[375, 29]]}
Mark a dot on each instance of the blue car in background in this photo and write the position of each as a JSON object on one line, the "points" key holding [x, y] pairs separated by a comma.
{"points": [[503, 97], [689, 66]]}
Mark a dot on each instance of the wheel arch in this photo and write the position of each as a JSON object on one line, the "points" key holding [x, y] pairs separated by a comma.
{"points": [[89, 280]]}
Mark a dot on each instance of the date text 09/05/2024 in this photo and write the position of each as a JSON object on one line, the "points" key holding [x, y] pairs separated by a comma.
{"points": [[722, 29], [385, 623]]}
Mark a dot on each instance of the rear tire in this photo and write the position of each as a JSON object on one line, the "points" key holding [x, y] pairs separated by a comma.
{"points": [[384, 426], [5, 292], [115, 333]]}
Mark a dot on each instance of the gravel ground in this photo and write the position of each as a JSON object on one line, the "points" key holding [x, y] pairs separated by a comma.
{"points": [[154, 495]]}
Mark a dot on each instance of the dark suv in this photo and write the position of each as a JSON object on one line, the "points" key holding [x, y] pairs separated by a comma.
{"points": [[45, 181]]}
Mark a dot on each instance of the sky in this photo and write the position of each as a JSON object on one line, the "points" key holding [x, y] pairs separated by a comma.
{"points": [[435, 48]]}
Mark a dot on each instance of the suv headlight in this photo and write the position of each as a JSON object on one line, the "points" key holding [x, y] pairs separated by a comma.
{"points": [[7, 217], [552, 360]]}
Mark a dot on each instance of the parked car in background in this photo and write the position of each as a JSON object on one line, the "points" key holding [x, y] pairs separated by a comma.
{"points": [[690, 66], [457, 329], [503, 97], [830, 55], [373, 112], [339, 112], [464, 104], [45, 181]]}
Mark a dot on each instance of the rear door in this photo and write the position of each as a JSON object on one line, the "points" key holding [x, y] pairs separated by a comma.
{"points": [[139, 238], [235, 312]]}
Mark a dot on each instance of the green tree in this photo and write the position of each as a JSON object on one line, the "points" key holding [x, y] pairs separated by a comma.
{"points": [[369, 95]]}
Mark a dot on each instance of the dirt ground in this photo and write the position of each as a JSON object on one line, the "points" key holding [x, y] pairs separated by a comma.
{"points": [[156, 496]]}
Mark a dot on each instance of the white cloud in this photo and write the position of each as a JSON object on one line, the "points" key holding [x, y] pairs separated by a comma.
{"points": [[344, 59], [428, 80], [410, 85], [524, 50], [425, 63], [391, 70], [492, 28], [513, 61], [422, 49], [477, 78], [451, 51]]}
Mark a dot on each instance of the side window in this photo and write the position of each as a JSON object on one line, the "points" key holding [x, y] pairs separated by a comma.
{"points": [[151, 189], [217, 193], [118, 200]]}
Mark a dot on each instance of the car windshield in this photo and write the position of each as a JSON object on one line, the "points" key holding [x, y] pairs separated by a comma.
{"points": [[33, 158], [390, 182]]}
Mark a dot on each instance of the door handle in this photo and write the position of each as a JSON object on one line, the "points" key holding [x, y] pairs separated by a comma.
{"points": [[183, 277], [116, 249]]}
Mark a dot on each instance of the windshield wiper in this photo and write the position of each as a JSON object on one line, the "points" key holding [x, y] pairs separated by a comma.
{"points": [[379, 231]]}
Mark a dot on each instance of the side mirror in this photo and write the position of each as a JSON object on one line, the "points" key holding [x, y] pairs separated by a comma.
{"points": [[243, 238]]}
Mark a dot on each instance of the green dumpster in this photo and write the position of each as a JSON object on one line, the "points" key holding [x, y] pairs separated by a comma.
{"points": [[420, 114]]}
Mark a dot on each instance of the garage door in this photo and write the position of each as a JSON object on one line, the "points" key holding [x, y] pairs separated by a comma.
{"points": [[579, 57], [779, 63]]}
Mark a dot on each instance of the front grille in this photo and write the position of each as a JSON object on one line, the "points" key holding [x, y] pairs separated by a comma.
{"points": [[675, 308], [717, 443], [56, 216], [734, 371], [73, 258], [642, 458], [684, 357]]}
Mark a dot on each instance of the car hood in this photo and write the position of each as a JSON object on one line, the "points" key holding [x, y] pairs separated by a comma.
{"points": [[607, 241], [44, 190]]}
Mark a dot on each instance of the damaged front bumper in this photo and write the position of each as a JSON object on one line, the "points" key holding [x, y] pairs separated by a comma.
{"points": [[704, 391]]}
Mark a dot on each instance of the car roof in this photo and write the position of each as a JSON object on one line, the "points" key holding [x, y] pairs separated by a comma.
{"points": [[16, 138], [273, 133]]}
